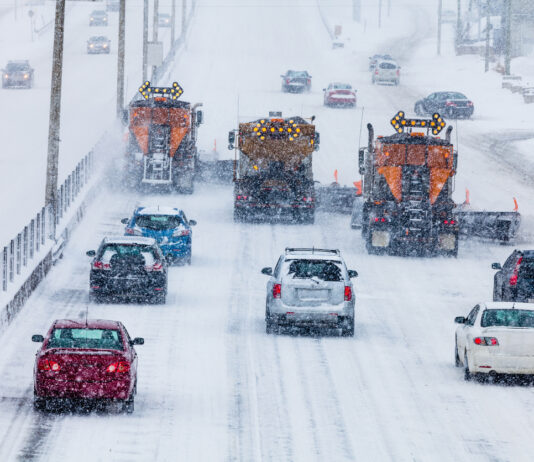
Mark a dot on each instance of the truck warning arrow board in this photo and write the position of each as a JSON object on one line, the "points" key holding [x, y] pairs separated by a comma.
{"points": [[400, 123], [173, 92]]}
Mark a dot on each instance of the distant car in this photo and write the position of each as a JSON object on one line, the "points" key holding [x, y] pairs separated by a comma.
{"points": [[338, 42], [515, 279], [296, 81], [128, 266], [164, 20], [98, 44], [98, 18], [373, 60], [496, 338], [451, 104], [17, 74], [310, 288], [168, 226], [92, 360], [386, 71], [339, 94]]}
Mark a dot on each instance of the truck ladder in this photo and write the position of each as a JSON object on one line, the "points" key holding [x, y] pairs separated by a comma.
{"points": [[416, 213]]}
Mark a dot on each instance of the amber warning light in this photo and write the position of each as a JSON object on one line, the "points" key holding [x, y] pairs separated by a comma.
{"points": [[173, 92], [400, 123]]}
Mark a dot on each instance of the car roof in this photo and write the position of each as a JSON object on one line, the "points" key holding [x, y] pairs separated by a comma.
{"points": [[129, 240], [98, 37], [82, 323], [392, 61], [18, 61], [341, 83], [98, 12], [313, 253], [158, 210], [527, 253], [508, 306]]}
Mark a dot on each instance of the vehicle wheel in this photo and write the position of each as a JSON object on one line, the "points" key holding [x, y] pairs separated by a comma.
{"points": [[373, 81], [396, 82], [467, 373], [160, 299], [96, 298], [347, 327], [129, 405], [496, 296], [419, 110], [39, 404], [457, 361], [269, 323], [238, 216], [187, 259]]}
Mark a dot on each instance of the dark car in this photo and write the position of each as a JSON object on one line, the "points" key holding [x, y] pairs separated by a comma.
{"points": [[98, 18], [128, 266], [168, 225], [17, 74], [373, 60], [90, 360], [98, 44], [296, 81], [514, 282], [450, 104]]}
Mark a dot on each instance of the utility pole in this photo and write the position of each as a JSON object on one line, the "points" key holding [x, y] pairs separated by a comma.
{"points": [[55, 116], [389, 7], [155, 31], [379, 13], [459, 23], [440, 8], [173, 21], [508, 33], [183, 19], [145, 38], [488, 28], [356, 10], [120, 58]]}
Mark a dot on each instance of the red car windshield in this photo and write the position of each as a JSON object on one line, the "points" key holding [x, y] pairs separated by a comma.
{"points": [[106, 339]]}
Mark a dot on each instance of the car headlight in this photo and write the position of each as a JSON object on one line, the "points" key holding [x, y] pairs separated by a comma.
{"points": [[105, 45], [91, 46], [26, 76], [6, 76]]}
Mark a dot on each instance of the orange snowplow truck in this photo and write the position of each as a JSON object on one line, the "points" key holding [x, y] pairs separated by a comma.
{"points": [[407, 189], [162, 138]]}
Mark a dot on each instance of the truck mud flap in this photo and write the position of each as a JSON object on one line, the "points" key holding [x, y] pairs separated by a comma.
{"points": [[500, 226], [335, 198], [218, 171]]}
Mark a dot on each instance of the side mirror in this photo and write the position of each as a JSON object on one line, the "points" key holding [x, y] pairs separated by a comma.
{"points": [[125, 116], [496, 266], [231, 139], [90, 253], [459, 320], [137, 341], [268, 271], [192, 222], [199, 117], [125, 221], [37, 338], [353, 274]]}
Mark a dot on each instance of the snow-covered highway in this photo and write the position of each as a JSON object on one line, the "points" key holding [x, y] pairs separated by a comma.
{"points": [[212, 384]]}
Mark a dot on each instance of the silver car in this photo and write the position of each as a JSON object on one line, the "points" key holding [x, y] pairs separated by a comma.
{"points": [[386, 71], [308, 288]]}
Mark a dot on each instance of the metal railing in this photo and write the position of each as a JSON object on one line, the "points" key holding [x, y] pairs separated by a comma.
{"points": [[24, 248]]}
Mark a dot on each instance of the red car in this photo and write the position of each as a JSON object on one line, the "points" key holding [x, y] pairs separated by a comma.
{"points": [[339, 94], [86, 360]]}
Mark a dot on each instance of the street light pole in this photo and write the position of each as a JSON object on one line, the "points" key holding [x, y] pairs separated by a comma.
{"points": [[120, 58], [183, 20], [173, 21], [508, 32], [155, 31], [488, 27], [145, 38], [459, 23], [379, 13], [440, 7], [55, 116]]}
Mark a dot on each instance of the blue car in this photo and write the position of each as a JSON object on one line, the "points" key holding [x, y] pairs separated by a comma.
{"points": [[168, 225]]}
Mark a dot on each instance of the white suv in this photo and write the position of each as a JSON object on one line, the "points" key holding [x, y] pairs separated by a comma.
{"points": [[310, 287], [386, 71]]}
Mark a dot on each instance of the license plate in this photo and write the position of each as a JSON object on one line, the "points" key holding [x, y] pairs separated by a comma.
{"points": [[313, 294]]}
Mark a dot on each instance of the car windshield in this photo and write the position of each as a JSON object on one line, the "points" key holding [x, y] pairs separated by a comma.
{"points": [[17, 67], [341, 86], [508, 318], [158, 222], [128, 252], [98, 13], [326, 270], [453, 95], [98, 39], [106, 339], [297, 74], [387, 65]]}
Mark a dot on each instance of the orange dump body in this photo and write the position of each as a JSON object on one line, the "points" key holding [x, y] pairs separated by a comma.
{"points": [[391, 157], [143, 118]]}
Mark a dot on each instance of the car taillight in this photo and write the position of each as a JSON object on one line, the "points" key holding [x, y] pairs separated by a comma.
{"points": [[450, 103], [121, 366], [48, 365], [277, 291], [376, 71], [513, 277], [181, 232], [307, 199], [287, 80], [101, 266], [486, 341], [309, 80], [129, 231], [449, 222], [470, 103], [398, 72], [380, 220], [241, 197], [348, 293], [155, 267]]}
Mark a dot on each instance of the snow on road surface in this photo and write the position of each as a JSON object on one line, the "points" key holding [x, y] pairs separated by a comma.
{"points": [[212, 384]]}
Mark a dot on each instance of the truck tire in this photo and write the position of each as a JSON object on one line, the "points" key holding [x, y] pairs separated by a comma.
{"points": [[347, 326], [238, 216]]}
